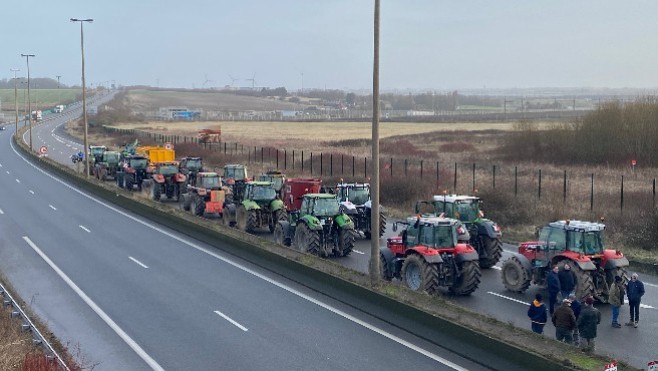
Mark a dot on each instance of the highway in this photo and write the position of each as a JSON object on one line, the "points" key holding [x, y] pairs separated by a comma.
{"points": [[636, 346], [134, 295]]}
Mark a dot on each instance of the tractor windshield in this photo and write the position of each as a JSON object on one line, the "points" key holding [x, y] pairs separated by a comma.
{"points": [[111, 157], [139, 163], [168, 170], [467, 210], [236, 173], [359, 195], [326, 207], [97, 151], [588, 243], [210, 182], [277, 181], [439, 236], [194, 164], [263, 193]]}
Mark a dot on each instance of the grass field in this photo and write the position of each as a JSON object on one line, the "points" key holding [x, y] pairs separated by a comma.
{"points": [[151, 100], [41, 98]]}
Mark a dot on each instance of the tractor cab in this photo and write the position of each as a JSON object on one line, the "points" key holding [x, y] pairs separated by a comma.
{"points": [[463, 208], [96, 152], [432, 232], [111, 157], [166, 168], [208, 180], [584, 238], [356, 193], [277, 179], [260, 192]]}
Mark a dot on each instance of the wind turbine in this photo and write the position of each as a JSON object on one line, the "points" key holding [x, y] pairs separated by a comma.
{"points": [[233, 80], [205, 82], [253, 81]]}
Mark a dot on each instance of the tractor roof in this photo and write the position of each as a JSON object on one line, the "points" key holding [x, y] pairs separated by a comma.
{"points": [[453, 198], [208, 174], [191, 158], [260, 183], [578, 225], [97, 147], [353, 185], [234, 166], [167, 163], [433, 220], [319, 195], [274, 173]]}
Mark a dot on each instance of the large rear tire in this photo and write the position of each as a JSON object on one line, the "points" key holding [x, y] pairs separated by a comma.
{"points": [[584, 282], [279, 236], [347, 238], [199, 205], [252, 221], [382, 224], [515, 277], [384, 270], [418, 275], [185, 202], [493, 247], [241, 218], [469, 280], [156, 192]]}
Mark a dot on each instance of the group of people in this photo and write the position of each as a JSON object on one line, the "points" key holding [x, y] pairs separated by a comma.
{"points": [[574, 322]]}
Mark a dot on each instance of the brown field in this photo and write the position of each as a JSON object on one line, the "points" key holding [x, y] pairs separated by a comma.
{"points": [[151, 100]]}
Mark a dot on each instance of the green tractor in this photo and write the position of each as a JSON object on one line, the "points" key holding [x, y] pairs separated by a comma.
{"points": [[319, 227], [486, 235], [95, 156], [277, 179], [108, 166], [260, 207]]}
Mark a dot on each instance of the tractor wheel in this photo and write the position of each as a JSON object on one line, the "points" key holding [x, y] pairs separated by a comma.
{"points": [[184, 203], [610, 275], [156, 192], [252, 221], [585, 283], [515, 277], [313, 242], [419, 275], [493, 247], [279, 236], [199, 206], [382, 224], [241, 218], [384, 270], [127, 183], [119, 180], [469, 280], [346, 241], [299, 242]]}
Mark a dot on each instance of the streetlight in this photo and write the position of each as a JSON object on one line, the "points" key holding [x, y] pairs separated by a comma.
{"points": [[14, 70], [29, 103], [84, 91]]}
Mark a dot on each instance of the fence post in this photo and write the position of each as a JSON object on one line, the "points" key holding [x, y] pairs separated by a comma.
{"points": [[365, 167], [474, 177], [591, 194], [564, 188], [311, 163], [285, 159], [321, 169], [437, 174], [516, 181], [622, 195], [405, 167], [391, 167], [342, 165], [293, 159], [455, 186], [262, 155], [331, 164], [654, 192], [539, 186], [277, 158], [421, 169], [353, 165], [302, 162], [494, 177], [224, 147]]}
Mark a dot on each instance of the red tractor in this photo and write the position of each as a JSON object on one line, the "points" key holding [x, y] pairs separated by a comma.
{"points": [[167, 180], [578, 243], [206, 197], [432, 252]]}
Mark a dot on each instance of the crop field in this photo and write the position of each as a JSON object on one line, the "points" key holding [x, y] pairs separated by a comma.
{"points": [[41, 98], [151, 100]]}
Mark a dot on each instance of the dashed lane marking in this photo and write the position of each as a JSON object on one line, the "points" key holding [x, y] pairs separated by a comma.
{"points": [[232, 321], [52, 207], [84, 228], [359, 252], [508, 298], [31, 191], [138, 262]]}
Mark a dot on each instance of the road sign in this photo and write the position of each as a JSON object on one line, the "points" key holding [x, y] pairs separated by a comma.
{"points": [[169, 145], [43, 150], [612, 366], [633, 162]]}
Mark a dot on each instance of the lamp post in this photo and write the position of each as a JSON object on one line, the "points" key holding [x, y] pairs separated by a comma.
{"points": [[84, 91], [374, 187], [14, 70], [29, 106]]}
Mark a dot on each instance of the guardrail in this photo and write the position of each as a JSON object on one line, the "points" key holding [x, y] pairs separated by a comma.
{"points": [[37, 337]]}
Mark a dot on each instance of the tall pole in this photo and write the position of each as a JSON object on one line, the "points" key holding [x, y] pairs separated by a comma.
{"points": [[29, 103], [84, 92], [374, 215], [14, 70], [58, 77]]}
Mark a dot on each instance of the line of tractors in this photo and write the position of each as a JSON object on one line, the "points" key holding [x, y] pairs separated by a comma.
{"points": [[443, 246]]}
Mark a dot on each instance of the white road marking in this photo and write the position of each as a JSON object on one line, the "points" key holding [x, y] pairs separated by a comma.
{"points": [[232, 321], [0, 165], [18, 181], [359, 252], [138, 262], [135, 347], [649, 284], [508, 298], [252, 272], [641, 305], [31, 191], [8, 172], [1, 212], [84, 228], [497, 267], [52, 207]]}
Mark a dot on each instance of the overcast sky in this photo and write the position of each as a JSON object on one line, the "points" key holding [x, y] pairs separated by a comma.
{"points": [[425, 44]]}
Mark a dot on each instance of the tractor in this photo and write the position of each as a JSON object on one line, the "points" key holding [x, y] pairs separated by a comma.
{"points": [[206, 196], [318, 227], [431, 252], [486, 235], [167, 180], [133, 170], [277, 179], [579, 243], [355, 202], [295, 188], [235, 177], [190, 167], [95, 155], [260, 207], [108, 166]]}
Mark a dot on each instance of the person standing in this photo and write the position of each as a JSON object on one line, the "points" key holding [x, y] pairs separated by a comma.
{"points": [[635, 291], [616, 299], [537, 314], [568, 281], [589, 319], [553, 283], [576, 307], [564, 321]]}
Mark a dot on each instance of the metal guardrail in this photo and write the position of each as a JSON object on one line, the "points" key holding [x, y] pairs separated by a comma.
{"points": [[28, 325]]}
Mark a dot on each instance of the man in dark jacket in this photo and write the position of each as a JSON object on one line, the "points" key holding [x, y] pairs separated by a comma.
{"points": [[553, 283], [635, 290], [590, 317], [568, 281], [564, 321], [537, 314], [576, 307]]}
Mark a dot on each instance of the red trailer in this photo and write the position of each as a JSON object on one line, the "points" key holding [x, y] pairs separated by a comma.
{"points": [[295, 188]]}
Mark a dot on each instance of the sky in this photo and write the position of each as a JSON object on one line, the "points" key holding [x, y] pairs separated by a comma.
{"points": [[425, 44]]}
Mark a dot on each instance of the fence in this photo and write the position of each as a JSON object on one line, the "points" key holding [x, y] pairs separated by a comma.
{"points": [[581, 185]]}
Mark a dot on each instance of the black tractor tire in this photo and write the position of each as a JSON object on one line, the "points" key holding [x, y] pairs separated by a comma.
{"points": [[128, 183], [185, 203], [610, 275], [515, 277], [382, 224], [313, 243], [419, 275], [584, 282], [493, 247], [469, 280], [279, 236], [199, 205], [241, 218], [346, 241], [156, 192], [119, 180], [384, 269], [252, 221], [299, 240]]}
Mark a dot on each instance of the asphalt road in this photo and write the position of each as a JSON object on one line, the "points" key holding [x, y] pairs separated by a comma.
{"points": [[636, 346], [134, 295]]}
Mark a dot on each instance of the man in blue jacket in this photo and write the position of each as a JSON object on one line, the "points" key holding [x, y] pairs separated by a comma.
{"points": [[537, 314], [635, 290], [553, 283]]}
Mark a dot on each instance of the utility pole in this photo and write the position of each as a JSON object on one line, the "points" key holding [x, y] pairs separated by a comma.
{"points": [[58, 76], [84, 92], [374, 186], [29, 102], [14, 70]]}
